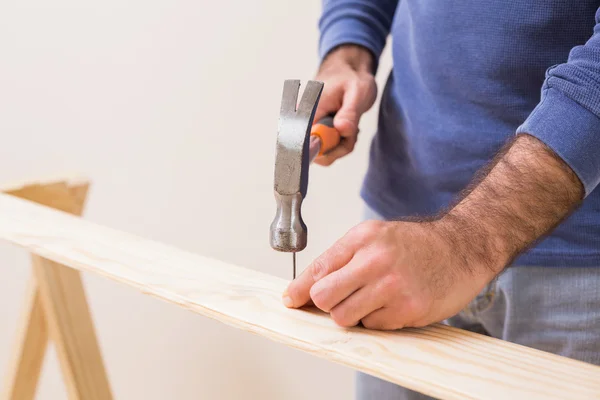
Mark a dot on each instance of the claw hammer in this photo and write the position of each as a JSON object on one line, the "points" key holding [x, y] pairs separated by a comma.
{"points": [[298, 143]]}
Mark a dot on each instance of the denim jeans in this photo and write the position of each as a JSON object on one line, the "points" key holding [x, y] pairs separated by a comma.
{"points": [[547, 308]]}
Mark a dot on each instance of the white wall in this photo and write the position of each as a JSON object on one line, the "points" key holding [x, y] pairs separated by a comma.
{"points": [[171, 108]]}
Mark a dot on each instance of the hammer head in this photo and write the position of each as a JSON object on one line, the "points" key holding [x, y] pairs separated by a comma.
{"points": [[288, 231]]}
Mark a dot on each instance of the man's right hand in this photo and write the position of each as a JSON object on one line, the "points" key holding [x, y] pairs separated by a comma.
{"points": [[349, 91]]}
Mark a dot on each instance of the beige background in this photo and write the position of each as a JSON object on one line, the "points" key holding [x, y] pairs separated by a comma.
{"points": [[171, 108]]}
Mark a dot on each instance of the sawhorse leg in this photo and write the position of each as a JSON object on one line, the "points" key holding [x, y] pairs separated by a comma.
{"points": [[56, 308]]}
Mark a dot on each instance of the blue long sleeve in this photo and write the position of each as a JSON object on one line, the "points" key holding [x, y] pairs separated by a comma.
{"points": [[466, 77], [567, 118], [362, 22]]}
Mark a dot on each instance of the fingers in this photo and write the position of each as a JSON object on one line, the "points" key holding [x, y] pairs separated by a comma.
{"points": [[360, 304], [337, 256], [345, 147], [347, 117], [328, 292], [382, 319], [357, 98], [331, 100], [346, 122]]}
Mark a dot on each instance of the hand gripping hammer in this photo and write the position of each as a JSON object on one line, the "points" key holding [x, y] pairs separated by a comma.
{"points": [[298, 143]]}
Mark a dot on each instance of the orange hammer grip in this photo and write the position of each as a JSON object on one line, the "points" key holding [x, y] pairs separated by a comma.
{"points": [[329, 136]]}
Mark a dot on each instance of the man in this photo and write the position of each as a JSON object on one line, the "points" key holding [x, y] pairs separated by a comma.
{"points": [[485, 165]]}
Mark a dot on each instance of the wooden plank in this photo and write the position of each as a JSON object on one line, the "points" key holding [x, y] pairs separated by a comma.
{"points": [[57, 301], [440, 361]]}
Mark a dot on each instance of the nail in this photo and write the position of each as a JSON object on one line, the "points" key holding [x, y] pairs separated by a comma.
{"points": [[287, 300]]}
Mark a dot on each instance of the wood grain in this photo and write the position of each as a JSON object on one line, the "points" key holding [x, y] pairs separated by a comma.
{"points": [[440, 361], [56, 303]]}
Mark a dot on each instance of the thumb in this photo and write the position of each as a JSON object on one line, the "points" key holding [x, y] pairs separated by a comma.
{"points": [[321, 113], [347, 117], [331, 100]]}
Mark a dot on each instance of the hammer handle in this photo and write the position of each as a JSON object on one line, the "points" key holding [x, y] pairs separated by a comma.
{"points": [[328, 135]]}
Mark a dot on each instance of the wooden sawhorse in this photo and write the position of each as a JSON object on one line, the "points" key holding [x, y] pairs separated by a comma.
{"points": [[56, 308]]}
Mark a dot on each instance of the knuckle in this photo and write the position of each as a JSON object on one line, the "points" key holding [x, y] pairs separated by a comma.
{"points": [[319, 269], [339, 249], [364, 84], [337, 85], [331, 78], [415, 307], [391, 283], [382, 256], [375, 224], [351, 115], [367, 87], [367, 229]]}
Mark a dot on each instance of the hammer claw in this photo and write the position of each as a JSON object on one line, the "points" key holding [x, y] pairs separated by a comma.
{"points": [[309, 101], [289, 98]]}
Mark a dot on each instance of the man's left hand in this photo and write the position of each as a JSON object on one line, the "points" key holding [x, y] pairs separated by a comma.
{"points": [[390, 275]]}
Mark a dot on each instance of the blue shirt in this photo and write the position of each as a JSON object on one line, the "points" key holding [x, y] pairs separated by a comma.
{"points": [[468, 75]]}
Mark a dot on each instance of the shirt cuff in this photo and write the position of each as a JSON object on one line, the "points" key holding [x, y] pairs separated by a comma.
{"points": [[571, 131], [351, 31]]}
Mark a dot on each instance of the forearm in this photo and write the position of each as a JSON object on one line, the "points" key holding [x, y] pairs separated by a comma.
{"points": [[524, 193]]}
